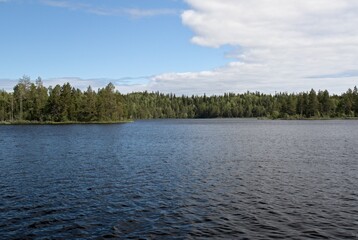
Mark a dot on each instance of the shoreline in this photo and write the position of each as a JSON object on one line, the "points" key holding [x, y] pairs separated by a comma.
{"points": [[310, 119], [63, 123], [131, 121]]}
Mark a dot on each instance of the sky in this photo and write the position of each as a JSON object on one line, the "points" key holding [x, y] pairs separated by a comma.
{"points": [[182, 46]]}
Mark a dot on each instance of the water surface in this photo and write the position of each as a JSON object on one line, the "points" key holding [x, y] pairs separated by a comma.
{"points": [[180, 179]]}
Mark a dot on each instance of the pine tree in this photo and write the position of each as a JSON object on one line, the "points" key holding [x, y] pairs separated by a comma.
{"points": [[312, 104]]}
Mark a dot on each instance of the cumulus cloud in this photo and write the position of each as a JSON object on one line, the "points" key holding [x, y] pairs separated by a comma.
{"points": [[277, 45], [274, 23]]}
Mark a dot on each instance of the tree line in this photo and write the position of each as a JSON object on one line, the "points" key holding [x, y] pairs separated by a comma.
{"points": [[32, 101]]}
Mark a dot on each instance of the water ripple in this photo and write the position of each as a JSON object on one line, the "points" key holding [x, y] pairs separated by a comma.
{"points": [[180, 179]]}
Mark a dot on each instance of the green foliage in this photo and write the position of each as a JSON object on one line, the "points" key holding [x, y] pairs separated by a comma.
{"points": [[36, 103], [312, 104]]}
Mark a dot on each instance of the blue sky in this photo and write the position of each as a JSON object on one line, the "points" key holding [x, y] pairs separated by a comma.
{"points": [[41, 38], [185, 47]]}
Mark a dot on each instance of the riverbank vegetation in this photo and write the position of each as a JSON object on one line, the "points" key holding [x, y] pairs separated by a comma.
{"points": [[32, 102]]}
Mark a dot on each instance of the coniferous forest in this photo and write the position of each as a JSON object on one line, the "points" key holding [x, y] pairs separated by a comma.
{"points": [[33, 102]]}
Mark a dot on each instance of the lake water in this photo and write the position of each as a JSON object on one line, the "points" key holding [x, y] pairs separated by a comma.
{"points": [[180, 179]]}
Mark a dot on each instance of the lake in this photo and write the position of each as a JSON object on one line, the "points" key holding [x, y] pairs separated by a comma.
{"points": [[180, 179]]}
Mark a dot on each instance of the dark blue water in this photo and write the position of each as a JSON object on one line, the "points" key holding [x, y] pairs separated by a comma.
{"points": [[180, 179]]}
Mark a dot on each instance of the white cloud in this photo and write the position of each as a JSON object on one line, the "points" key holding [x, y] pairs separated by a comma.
{"points": [[131, 12], [124, 85], [138, 13], [7, 84], [273, 23], [278, 45]]}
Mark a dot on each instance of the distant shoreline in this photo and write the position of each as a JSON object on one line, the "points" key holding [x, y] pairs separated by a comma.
{"points": [[62, 123], [311, 119], [35, 104], [131, 121]]}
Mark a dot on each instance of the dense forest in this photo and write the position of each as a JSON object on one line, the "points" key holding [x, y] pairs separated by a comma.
{"points": [[34, 102]]}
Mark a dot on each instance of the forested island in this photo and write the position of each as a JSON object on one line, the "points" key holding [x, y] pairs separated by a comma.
{"points": [[32, 102]]}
